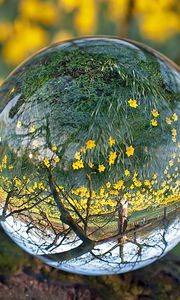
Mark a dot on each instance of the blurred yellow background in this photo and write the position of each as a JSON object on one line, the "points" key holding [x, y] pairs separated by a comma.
{"points": [[28, 25]]}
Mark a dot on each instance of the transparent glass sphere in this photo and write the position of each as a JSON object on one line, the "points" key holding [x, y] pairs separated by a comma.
{"points": [[89, 155]]}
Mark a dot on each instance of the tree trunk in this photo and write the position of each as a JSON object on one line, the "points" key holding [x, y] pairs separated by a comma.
{"points": [[122, 225]]}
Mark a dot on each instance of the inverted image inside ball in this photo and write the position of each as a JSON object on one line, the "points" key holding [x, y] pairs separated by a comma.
{"points": [[89, 155]]}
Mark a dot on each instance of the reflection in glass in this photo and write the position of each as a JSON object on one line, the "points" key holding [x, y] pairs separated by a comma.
{"points": [[89, 153]]}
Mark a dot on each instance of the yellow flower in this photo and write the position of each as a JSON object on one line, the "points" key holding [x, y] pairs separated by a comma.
{"points": [[54, 148], [118, 185], [78, 164], [113, 192], [112, 157], [174, 117], [83, 149], [174, 132], [147, 182], [154, 122], [108, 184], [77, 155], [4, 161], [27, 38], [86, 17], [41, 186], [155, 113], [111, 141], [32, 129], [168, 23], [90, 144], [101, 168], [69, 5], [41, 11], [35, 185], [62, 35], [90, 164], [126, 172], [6, 30], [18, 124], [56, 159], [129, 151], [17, 181], [146, 149], [11, 167], [133, 103], [168, 121], [137, 183], [46, 162], [171, 162]]}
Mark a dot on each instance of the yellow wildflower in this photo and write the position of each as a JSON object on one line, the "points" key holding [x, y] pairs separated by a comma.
{"points": [[83, 149], [101, 168], [126, 172], [135, 175], [18, 124], [146, 149], [174, 117], [154, 122], [174, 132], [137, 183], [168, 23], [56, 159], [111, 141], [77, 155], [6, 30], [155, 113], [4, 161], [35, 185], [90, 164], [11, 167], [85, 19], [108, 184], [112, 157], [147, 182], [46, 162], [17, 181], [90, 144], [40, 11], [171, 162], [133, 103], [113, 192], [78, 164], [32, 129], [168, 121], [41, 186], [69, 5], [118, 185], [54, 147], [129, 151], [62, 35], [27, 38]]}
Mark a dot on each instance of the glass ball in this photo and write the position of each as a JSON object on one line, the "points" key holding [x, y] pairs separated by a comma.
{"points": [[89, 155]]}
